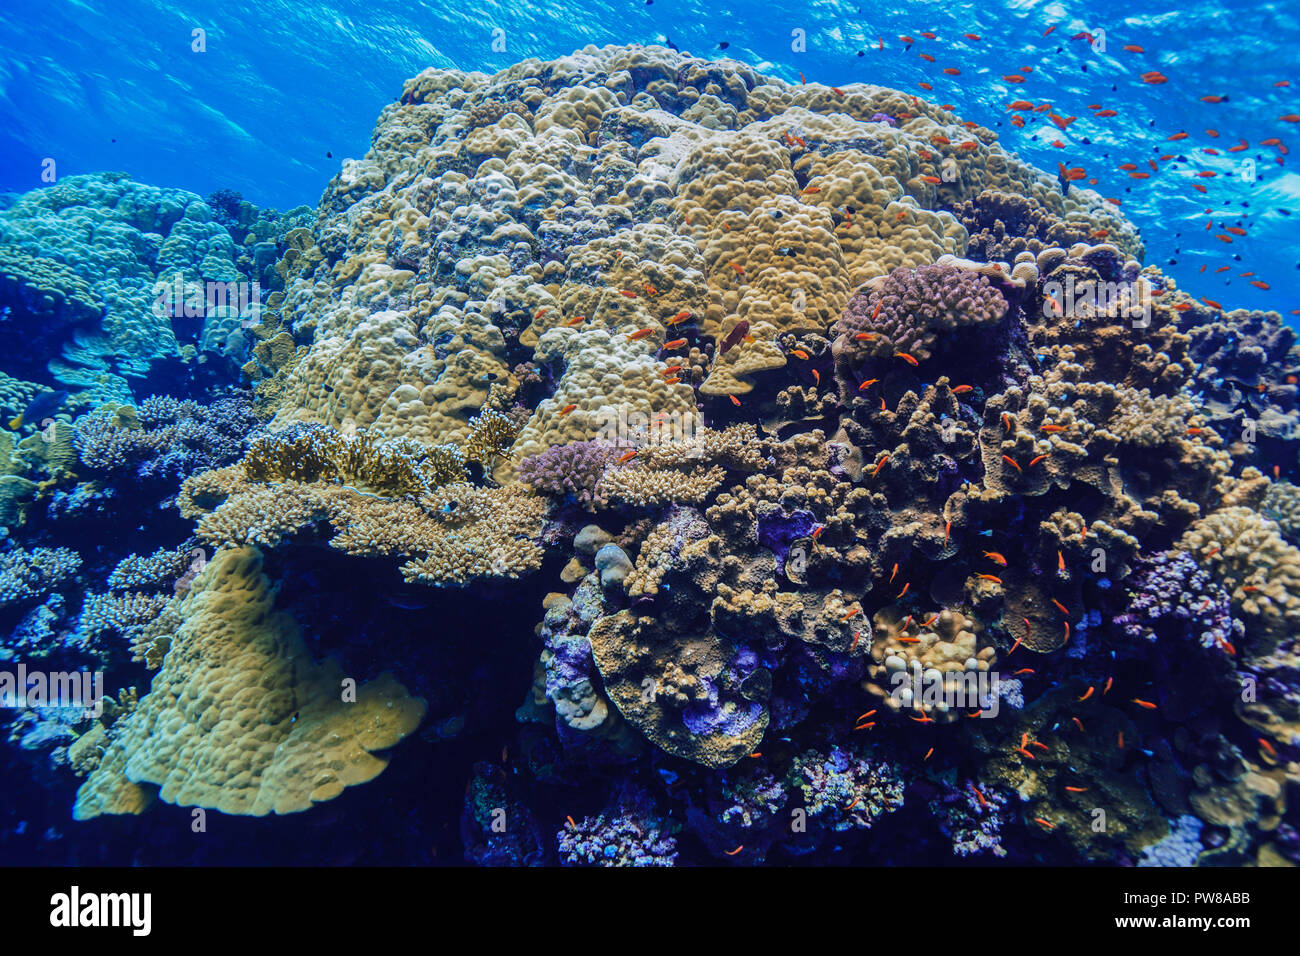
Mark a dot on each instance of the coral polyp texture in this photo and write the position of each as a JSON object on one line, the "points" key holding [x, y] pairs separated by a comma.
{"points": [[692, 466]]}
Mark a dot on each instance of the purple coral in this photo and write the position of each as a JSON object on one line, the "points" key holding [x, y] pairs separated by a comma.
{"points": [[169, 439], [1169, 594], [844, 790], [907, 310], [572, 469], [630, 832], [973, 825]]}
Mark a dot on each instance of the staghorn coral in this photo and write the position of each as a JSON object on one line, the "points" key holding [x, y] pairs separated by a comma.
{"points": [[450, 534], [164, 439], [362, 460], [28, 575]]}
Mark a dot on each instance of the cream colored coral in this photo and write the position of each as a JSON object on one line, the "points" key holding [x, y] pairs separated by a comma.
{"points": [[1249, 556], [239, 719]]}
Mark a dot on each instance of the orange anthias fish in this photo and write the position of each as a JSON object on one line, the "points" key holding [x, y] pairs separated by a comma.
{"points": [[996, 558]]}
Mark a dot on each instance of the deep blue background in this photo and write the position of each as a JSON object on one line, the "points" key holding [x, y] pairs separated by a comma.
{"points": [[282, 85]]}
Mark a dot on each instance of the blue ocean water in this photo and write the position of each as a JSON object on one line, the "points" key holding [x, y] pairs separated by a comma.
{"points": [[285, 90]]}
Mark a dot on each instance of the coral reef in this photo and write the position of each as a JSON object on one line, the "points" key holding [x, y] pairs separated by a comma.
{"points": [[739, 408]]}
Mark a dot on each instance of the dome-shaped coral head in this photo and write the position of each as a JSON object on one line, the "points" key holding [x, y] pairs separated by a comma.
{"points": [[906, 310]]}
